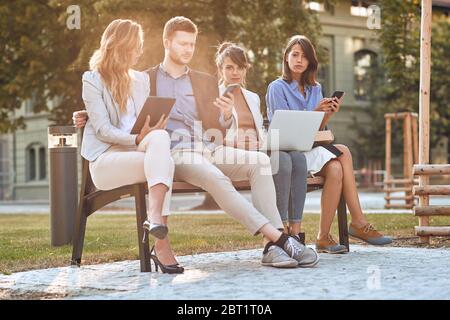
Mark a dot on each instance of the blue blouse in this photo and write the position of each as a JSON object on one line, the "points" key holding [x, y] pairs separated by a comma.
{"points": [[286, 96]]}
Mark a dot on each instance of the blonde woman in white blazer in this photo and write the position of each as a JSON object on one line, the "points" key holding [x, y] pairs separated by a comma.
{"points": [[114, 94]]}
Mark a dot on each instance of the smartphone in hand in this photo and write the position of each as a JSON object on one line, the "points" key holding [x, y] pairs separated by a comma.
{"points": [[230, 89], [337, 94]]}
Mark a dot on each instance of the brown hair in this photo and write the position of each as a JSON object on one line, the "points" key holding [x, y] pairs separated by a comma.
{"points": [[309, 76], [179, 23], [235, 53]]}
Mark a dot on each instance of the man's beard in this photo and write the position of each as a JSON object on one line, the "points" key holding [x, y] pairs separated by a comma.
{"points": [[175, 59]]}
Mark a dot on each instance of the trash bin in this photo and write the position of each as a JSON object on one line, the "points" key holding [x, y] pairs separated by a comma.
{"points": [[62, 145]]}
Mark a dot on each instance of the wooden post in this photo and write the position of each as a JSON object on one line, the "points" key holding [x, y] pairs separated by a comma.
{"points": [[388, 158], [405, 149], [409, 157], [415, 139], [424, 104]]}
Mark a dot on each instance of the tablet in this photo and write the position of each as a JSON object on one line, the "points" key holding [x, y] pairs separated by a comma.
{"points": [[154, 107]]}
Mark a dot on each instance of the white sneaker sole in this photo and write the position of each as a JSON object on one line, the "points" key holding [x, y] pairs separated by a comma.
{"points": [[311, 264], [332, 252], [367, 242], [284, 264]]}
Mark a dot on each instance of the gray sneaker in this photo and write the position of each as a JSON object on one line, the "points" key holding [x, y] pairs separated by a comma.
{"points": [[274, 256], [306, 257]]}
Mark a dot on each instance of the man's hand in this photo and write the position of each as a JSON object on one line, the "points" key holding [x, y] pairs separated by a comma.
{"points": [[79, 118], [226, 105], [146, 129]]}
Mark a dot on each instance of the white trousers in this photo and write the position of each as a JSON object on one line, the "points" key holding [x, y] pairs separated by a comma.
{"points": [[215, 171], [151, 162]]}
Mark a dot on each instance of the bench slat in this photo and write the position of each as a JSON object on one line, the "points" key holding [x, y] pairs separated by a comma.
{"points": [[181, 187]]}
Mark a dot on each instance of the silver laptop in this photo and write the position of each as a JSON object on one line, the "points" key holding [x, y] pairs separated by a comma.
{"points": [[293, 130]]}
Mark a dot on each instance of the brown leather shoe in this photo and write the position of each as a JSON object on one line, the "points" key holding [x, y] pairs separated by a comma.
{"points": [[369, 234], [328, 245]]}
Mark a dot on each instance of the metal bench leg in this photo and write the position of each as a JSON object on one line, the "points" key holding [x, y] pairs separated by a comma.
{"points": [[141, 216], [78, 234], [342, 223], [81, 216]]}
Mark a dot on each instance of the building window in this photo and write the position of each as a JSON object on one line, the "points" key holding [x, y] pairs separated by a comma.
{"points": [[31, 164], [360, 8], [36, 162], [42, 164], [364, 73], [324, 75], [30, 103], [315, 6]]}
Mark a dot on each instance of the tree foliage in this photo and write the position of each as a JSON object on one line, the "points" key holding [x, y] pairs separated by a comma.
{"points": [[44, 60], [396, 88]]}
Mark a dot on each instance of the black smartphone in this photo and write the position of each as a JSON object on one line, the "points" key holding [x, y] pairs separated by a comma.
{"points": [[337, 94], [230, 88]]}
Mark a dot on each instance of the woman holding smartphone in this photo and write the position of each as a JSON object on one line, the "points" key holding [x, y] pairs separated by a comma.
{"points": [[247, 133], [298, 89], [114, 94]]}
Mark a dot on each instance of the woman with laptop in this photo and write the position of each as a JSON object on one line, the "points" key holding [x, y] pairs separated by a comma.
{"points": [[114, 94], [289, 168], [298, 89]]}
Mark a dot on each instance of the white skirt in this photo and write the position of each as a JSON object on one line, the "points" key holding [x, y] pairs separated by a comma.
{"points": [[317, 157]]}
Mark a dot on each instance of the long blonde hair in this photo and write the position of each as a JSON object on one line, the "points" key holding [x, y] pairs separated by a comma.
{"points": [[112, 59]]}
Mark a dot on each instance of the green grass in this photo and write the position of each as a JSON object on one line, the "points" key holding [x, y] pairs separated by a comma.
{"points": [[25, 239]]}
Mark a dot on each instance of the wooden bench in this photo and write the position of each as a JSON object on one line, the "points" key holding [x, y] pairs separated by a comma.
{"points": [[92, 200]]}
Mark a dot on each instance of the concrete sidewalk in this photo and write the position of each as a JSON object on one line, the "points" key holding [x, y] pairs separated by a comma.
{"points": [[364, 273]]}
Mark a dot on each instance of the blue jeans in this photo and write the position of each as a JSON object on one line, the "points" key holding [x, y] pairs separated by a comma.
{"points": [[290, 173]]}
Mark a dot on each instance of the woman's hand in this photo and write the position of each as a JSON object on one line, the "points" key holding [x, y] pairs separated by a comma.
{"points": [[324, 105], [225, 105], [146, 129], [336, 104], [79, 118], [329, 105]]}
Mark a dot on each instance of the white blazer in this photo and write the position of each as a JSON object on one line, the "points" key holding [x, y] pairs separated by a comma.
{"points": [[102, 128], [253, 102]]}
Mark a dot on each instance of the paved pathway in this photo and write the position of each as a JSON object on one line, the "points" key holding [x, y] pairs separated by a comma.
{"points": [[364, 273]]}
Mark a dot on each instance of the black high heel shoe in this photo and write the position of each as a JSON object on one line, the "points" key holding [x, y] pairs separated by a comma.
{"points": [[165, 268]]}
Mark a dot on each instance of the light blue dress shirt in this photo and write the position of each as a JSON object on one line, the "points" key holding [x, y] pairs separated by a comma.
{"points": [[181, 124], [282, 95]]}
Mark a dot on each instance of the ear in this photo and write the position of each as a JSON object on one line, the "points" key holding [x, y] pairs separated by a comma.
{"points": [[166, 43]]}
